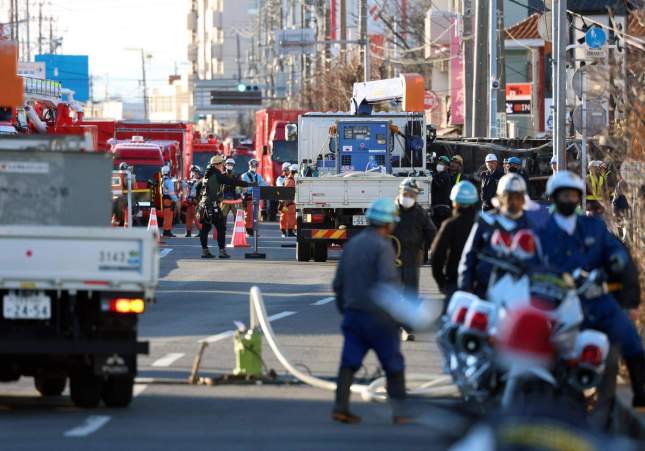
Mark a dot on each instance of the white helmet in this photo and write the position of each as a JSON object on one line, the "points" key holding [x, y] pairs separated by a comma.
{"points": [[286, 166], [564, 180], [165, 170], [554, 160], [293, 168], [230, 161], [491, 157], [511, 183]]}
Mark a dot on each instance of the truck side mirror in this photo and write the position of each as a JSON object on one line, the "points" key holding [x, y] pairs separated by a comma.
{"points": [[291, 132]]}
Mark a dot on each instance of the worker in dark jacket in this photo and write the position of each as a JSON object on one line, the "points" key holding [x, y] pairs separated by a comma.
{"points": [[209, 209], [490, 178], [451, 239], [366, 268], [515, 167], [440, 191]]}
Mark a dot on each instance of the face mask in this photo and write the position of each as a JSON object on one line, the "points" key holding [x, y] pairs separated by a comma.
{"points": [[229, 168], [441, 168], [513, 170], [566, 208], [406, 202]]}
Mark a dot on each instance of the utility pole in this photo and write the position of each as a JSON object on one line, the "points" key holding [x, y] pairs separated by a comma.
{"points": [[362, 31], [501, 71], [28, 46], [480, 79], [145, 85], [493, 82], [343, 31], [40, 28], [468, 66], [12, 23], [51, 36], [559, 40], [239, 57]]}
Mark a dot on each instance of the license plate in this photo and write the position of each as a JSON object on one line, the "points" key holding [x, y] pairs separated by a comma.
{"points": [[33, 306], [359, 220]]}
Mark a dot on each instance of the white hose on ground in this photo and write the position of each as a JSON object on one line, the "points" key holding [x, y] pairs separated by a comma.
{"points": [[432, 384]]}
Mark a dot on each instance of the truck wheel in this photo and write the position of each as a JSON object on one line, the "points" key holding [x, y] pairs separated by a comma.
{"points": [[303, 250], [50, 385], [117, 391], [85, 389], [320, 251]]}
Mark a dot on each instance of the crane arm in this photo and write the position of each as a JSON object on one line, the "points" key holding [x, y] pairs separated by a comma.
{"points": [[409, 89]]}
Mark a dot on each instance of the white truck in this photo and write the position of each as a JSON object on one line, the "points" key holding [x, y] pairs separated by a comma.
{"points": [[71, 286], [357, 159]]}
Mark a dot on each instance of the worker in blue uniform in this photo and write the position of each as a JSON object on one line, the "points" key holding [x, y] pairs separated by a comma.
{"points": [[509, 217], [367, 265], [571, 241]]}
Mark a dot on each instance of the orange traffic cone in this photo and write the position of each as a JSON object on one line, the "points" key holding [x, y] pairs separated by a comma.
{"points": [[239, 231], [153, 224]]}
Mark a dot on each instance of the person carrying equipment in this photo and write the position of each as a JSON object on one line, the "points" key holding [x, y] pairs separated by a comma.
{"points": [[288, 208], [191, 198], [169, 200], [209, 212], [254, 179], [366, 265], [450, 240]]}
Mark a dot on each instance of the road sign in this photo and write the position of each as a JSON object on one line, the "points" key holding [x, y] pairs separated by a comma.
{"points": [[633, 171], [295, 41], [595, 38], [592, 79], [430, 101], [596, 119]]}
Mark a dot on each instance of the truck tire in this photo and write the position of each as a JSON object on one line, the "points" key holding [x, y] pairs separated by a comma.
{"points": [[117, 391], [303, 250], [50, 385], [320, 251], [85, 389]]}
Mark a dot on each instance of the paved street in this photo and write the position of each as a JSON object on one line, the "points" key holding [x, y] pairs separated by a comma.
{"points": [[199, 300]]}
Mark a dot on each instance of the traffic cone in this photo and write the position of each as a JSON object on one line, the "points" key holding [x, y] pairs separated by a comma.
{"points": [[239, 231], [153, 224]]}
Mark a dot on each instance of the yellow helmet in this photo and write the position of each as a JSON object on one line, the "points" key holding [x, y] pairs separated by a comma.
{"points": [[217, 159]]}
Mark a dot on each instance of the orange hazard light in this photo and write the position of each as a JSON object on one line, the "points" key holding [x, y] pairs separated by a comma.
{"points": [[414, 89], [11, 94], [126, 305]]}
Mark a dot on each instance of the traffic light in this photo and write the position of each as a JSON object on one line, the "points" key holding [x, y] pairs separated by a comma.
{"points": [[243, 87]]}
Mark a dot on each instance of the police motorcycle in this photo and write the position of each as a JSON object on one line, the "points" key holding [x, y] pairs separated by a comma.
{"points": [[525, 337]]}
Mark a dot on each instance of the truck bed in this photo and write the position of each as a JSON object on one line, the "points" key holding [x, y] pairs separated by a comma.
{"points": [[356, 190], [78, 258]]}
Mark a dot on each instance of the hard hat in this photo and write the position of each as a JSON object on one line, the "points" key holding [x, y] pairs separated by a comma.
{"points": [[443, 159], [286, 166], [123, 166], [230, 161], [293, 168], [464, 193], [217, 159], [515, 160], [554, 160], [195, 168], [165, 170], [458, 158], [564, 180], [382, 211], [594, 163], [409, 185], [491, 157], [511, 183], [253, 162]]}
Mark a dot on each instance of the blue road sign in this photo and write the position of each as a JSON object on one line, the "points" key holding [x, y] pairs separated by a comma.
{"points": [[595, 38]]}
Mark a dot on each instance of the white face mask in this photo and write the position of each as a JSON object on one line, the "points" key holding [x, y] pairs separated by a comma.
{"points": [[441, 168], [406, 202], [230, 168]]}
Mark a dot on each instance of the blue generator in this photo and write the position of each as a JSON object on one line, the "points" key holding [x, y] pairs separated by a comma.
{"points": [[363, 146]]}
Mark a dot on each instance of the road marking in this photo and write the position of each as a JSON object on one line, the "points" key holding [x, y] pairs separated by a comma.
{"points": [[324, 301], [91, 425], [138, 389], [280, 315], [218, 337], [165, 251], [168, 359]]}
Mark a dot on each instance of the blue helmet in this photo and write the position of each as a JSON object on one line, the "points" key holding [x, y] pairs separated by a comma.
{"points": [[515, 160], [382, 212], [464, 193]]}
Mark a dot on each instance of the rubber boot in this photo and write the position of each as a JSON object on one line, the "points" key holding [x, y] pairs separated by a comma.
{"points": [[341, 411], [291, 232], [223, 254], [189, 234], [636, 370], [206, 253], [395, 384]]}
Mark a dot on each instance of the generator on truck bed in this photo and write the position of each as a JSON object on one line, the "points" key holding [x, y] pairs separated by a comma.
{"points": [[356, 158], [71, 286]]}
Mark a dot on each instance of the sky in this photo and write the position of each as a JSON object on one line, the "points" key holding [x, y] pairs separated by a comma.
{"points": [[106, 29]]}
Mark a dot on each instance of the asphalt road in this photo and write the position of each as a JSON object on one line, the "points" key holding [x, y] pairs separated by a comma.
{"points": [[199, 300]]}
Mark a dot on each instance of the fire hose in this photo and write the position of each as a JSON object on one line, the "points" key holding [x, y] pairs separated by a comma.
{"points": [[430, 384]]}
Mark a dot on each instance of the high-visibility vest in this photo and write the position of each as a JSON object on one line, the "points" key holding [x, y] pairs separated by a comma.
{"points": [[597, 185]]}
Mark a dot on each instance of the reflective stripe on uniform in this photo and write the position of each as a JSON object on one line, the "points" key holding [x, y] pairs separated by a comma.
{"points": [[597, 185]]}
